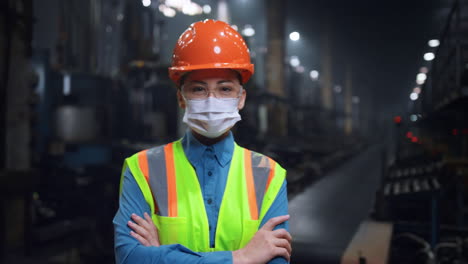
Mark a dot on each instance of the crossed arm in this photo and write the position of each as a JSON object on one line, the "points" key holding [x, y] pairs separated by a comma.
{"points": [[265, 245], [271, 243]]}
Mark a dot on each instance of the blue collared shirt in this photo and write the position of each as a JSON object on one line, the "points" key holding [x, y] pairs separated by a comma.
{"points": [[211, 164]]}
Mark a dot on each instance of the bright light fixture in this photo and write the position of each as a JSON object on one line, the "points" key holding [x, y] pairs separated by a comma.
{"points": [[248, 31], [429, 56], [294, 61], [414, 96], [206, 9], [314, 75], [170, 7], [433, 43], [176, 4], [192, 9], [417, 90], [146, 3], [421, 76], [294, 36], [167, 11]]}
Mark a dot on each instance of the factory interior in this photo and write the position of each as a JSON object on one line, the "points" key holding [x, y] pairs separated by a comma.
{"points": [[364, 104]]}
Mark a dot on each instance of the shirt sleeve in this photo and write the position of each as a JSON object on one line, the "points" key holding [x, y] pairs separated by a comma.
{"points": [[279, 207], [129, 250]]}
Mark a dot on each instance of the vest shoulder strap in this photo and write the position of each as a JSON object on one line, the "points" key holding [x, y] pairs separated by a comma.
{"points": [[157, 165], [260, 171]]}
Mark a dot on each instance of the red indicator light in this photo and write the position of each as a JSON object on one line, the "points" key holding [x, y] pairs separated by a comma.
{"points": [[397, 119]]}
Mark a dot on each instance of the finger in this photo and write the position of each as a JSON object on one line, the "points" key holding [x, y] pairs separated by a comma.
{"points": [[282, 252], [140, 239], [150, 222], [270, 224], [141, 222], [147, 217], [282, 233], [138, 229], [154, 240], [284, 244]]}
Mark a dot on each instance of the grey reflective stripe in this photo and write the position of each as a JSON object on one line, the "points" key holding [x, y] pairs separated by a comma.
{"points": [[260, 172], [158, 178]]}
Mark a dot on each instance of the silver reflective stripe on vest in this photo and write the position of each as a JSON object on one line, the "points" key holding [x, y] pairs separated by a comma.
{"points": [[158, 178], [260, 172]]}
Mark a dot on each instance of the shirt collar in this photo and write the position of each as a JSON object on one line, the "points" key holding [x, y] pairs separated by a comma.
{"points": [[194, 150]]}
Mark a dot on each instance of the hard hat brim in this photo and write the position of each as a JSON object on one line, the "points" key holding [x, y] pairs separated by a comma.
{"points": [[245, 70]]}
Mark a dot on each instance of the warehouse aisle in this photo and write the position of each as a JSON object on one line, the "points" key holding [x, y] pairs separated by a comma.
{"points": [[326, 215]]}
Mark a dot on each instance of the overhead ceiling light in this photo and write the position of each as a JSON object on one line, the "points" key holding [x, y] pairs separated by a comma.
{"points": [[421, 76], [206, 9], [414, 96], [187, 7], [167, 11], [429, 56], [294, 36], [146, 3], [294, 61], [314, 75], [433, 43], [248, 31], [192, 9]]}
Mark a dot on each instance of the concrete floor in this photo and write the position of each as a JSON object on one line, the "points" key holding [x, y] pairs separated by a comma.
{"points": [[327, 214]]}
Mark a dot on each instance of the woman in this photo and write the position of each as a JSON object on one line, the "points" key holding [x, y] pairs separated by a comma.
{"points": [[209, 200]]}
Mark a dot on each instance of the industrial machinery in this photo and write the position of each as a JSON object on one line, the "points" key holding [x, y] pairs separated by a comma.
{"points": [[425, 189]]}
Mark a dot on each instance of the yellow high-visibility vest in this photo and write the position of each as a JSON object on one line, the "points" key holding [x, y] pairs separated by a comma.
{"points": [[171, 188]]}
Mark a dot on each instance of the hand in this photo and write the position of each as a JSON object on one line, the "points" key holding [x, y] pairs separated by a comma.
{"points": [[266, 244], [144, 230]]}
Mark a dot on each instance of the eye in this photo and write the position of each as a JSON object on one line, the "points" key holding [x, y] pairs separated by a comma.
{"points": [[197, 89], [225, 89]]}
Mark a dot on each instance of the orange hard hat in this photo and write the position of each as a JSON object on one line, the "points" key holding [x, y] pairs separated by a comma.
{"points": [[210, 44]]}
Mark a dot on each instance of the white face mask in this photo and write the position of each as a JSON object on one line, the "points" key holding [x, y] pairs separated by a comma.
{"points": [[211, 117]]}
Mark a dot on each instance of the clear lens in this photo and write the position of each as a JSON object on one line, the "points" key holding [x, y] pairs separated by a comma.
{"points": [[196, 91]]}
